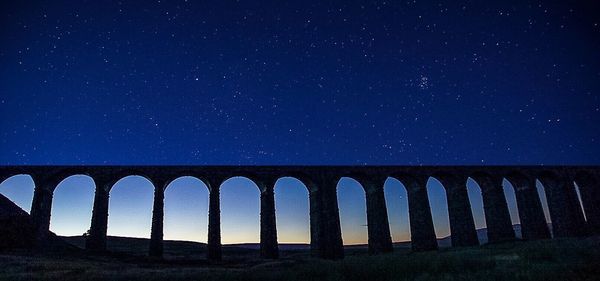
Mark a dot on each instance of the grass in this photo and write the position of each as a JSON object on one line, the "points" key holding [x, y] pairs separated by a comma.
{"points": [[561, 259]]}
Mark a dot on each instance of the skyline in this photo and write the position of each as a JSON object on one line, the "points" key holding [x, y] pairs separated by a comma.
{"points": [[292, 83]]}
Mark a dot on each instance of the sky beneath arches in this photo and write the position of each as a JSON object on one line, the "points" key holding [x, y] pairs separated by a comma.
{"points": [[300, 82], [186, 208]]}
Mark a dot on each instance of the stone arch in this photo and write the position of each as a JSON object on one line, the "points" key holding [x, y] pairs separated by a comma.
{"points": [[19, 188], [405, 179], [563, 203], [489, 191], [353, 212], [396, 197], [253, 178], [422, 231], [292, 217], [62, 175], [211, 182], [364, 180], [188, 219], [200, 179], [121, 176], [130, 206], [73, 199], [532, 220], [476, 201], [240, 210], [461, 225], [511, 201], [513, 182], [303, 178], [543, 181]]}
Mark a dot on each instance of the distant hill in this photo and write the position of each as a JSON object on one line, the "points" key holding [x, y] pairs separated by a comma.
{"points": [[172, 249], [481, 235], [189, 249], [282, 246], [139, 246]]}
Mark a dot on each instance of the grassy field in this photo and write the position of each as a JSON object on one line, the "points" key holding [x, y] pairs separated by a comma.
{"points": [[562, 259]]}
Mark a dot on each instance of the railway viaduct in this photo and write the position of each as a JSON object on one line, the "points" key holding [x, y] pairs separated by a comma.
{"points": [[565, 207]]}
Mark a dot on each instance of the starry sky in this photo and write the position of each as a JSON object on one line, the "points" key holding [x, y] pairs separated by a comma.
{"points": [[300, 82]]}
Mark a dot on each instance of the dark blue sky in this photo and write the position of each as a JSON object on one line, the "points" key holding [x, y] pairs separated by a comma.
{"points": [[228, 82], [242, 82]]}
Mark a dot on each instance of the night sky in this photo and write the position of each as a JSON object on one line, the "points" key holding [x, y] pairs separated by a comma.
{"points": [[242, 82]]}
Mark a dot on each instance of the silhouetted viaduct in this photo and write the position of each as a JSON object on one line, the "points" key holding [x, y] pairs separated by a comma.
{"points": [[321, 181]]}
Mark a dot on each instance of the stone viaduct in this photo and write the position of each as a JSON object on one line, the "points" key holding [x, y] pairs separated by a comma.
{"points": [[567, 216]]}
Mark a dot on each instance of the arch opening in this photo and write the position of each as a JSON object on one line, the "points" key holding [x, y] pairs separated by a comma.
{"points": [[439, 210], [186, 210], [292, 212], [19, 190], [130, 212], [511, 201], [353, 211], [240, 211], [72, 206], [396, 200], [476, 202]]}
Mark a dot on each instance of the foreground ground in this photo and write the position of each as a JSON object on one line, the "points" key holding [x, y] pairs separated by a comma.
{"points": [[563, 259]]}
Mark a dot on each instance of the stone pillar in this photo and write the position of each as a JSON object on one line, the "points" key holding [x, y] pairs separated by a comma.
{"points": [[315, 221], [214, 223], [96, 241], [158, 214], [531, 214], [268, 228], [462, 225], [335, 245], [497, 215], [380, 239], [563, 204], [41, 208], [589, 189], [421, 223], [325, 219]]}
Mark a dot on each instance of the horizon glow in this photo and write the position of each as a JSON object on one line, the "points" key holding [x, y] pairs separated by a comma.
{"points": [[186, 208]]}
